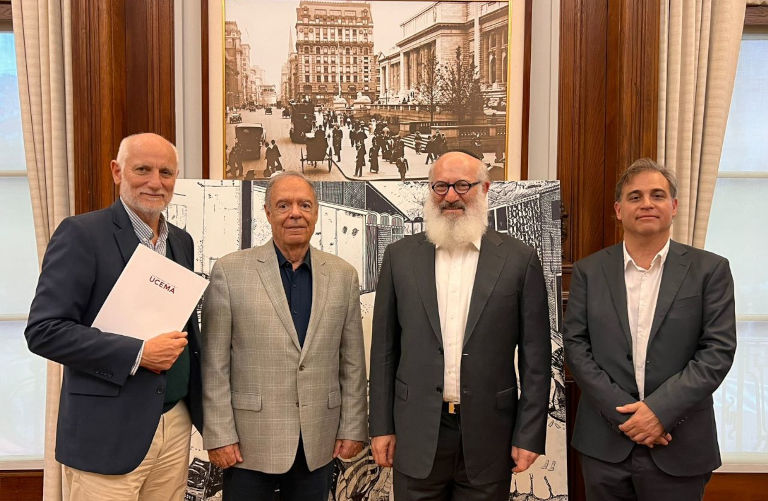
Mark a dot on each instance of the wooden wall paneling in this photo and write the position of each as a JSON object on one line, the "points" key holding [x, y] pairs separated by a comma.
{"points": [[756, 15], [123, 67], [205, 99], [98, 68], [631, 94], [21, 485], [526, 90], [149, 47]]}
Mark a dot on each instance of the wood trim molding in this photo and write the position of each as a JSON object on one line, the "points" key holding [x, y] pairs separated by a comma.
{"points": [[756, 15], [206, 171], [21, 485], [526, 110], [122, 56]]}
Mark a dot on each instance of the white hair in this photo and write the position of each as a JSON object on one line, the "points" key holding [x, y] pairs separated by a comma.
{"points": [[454, 231]]}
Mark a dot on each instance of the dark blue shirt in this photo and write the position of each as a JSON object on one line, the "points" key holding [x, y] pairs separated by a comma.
{"points": [[298, 291]]}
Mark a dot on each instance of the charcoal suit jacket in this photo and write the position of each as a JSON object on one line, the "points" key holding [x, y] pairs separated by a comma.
{"points": [[690, 350], [507, 313], [107, 418]]}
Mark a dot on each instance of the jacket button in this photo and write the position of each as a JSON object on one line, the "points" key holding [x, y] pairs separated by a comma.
{"points": [[439, 389], [440, 350], [629, 357], [297, 404], [301, 367], [160, 390]]}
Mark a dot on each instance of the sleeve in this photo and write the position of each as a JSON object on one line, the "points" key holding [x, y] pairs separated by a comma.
{"points": [[56, 329], [713, 358], [595, 384], [215, 345], [534, 361], [354, 406], [385, 352]]}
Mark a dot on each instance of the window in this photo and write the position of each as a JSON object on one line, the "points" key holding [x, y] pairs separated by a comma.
{"points": [[735, 232], [22, 389]]}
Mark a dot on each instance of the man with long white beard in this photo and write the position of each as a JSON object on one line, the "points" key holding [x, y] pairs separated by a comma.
{"points": [[452, 306]]}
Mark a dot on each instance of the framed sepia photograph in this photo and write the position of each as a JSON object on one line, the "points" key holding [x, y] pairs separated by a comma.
{"points": [[361, 90]]}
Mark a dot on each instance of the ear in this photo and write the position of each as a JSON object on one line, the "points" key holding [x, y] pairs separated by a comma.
{"points": [[116, 171], [486, 185], [674, 207], [268, 213], [617, 209]]}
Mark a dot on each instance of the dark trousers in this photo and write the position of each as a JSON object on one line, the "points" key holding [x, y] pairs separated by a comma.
{"points": [[448, 479], [297, 484], [637, 478]]}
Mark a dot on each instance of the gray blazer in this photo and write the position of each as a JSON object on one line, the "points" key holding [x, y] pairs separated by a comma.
{"points": [[507, 313], [261, 388], [690, 350]]}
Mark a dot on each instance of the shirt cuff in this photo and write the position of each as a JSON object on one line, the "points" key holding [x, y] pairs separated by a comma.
{"points": [[137, 363]]}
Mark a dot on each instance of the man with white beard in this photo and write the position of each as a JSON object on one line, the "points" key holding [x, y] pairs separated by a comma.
{"points": [[452, 306]]}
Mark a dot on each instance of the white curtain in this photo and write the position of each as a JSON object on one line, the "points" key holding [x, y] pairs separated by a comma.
{"points": [[699, 51], [44, 58]]}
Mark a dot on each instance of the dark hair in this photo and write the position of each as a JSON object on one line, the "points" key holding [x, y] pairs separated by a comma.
{"points": [[645, 165]]}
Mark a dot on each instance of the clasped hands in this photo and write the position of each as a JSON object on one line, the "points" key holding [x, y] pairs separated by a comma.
{"points": [[229, 455], [643, 427]]}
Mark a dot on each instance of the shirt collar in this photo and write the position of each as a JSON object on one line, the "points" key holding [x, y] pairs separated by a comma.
{"points": [[475, 243], [142, 229], [660, 256], [281, 260]]}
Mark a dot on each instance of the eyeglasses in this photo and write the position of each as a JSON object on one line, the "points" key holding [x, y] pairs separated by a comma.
{"points": [[460, 187]]}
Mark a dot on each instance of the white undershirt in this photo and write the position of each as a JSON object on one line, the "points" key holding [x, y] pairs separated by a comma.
{"points": [[642, 293], [454, 279]]}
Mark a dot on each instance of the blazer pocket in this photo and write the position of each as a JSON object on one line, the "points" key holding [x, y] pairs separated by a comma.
{"points": [[334, 399], [86, 385], [246, 401], [401, 390], [506, 399]]}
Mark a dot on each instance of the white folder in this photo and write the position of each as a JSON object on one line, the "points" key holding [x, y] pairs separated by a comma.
{"points": [[153, 295]]}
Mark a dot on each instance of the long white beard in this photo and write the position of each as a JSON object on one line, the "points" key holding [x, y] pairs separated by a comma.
{"points": [[455, 231]]}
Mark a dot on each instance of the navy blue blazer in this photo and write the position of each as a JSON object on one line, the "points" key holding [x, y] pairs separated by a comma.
{"points": [[107, 418]]}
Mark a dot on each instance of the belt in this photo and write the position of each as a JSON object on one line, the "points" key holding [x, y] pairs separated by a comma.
{"points": [[451, 408]]}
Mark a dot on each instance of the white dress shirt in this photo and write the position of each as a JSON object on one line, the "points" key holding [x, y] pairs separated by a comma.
{"points": [[642, 292], [454, 278]]}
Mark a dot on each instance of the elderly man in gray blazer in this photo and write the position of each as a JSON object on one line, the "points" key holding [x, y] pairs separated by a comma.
{"points": [[283, 358]]}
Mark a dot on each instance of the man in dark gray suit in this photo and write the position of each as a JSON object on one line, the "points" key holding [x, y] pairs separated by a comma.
{"points": [[650, 334], [452, 307]]}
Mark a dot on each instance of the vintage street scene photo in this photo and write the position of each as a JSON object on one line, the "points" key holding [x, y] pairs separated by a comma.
{"points": [[363, 90]]}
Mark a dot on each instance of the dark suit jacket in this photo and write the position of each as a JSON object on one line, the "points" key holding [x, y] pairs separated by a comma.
{"points": [[690, 350], [508, 311], [107, 418]]}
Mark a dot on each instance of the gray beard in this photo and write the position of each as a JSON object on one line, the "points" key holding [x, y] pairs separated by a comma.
{"points": [[452, 232]]}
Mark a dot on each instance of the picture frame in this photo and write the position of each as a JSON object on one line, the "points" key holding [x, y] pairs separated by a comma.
{"points": [[501, 136]]}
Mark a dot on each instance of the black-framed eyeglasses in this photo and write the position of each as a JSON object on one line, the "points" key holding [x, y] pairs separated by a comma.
{"points": [[460, 187]]}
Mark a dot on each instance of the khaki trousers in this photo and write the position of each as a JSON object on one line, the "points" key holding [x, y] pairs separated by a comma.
{"points": [[161, 476]]}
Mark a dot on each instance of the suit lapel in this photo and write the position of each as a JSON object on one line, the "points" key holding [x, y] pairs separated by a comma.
{"points": [[177, 249], [320, 283], [489, 265], [613, 268], [125, 236], [675, 268], [424, 270], [265, 263]]}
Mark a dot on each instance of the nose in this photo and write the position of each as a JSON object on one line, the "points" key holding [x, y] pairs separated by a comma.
{"points": [[451, 196], [154, 179], [295, 211]]}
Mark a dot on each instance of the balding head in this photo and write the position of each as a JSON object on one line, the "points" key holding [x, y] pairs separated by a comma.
{"points": [[145, 169]]}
